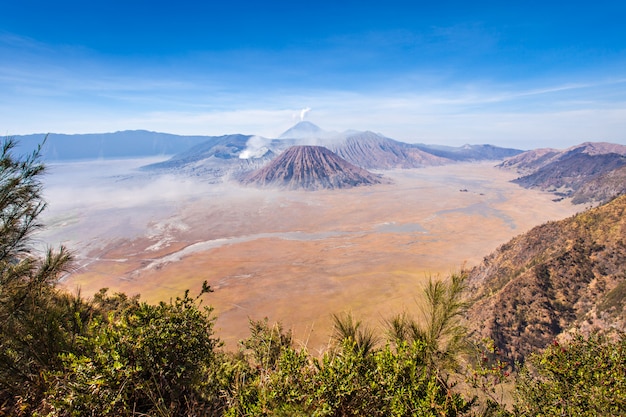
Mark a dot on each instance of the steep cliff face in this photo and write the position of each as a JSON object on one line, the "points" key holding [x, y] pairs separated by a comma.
{"points": [[310, 168], [558, 277]]}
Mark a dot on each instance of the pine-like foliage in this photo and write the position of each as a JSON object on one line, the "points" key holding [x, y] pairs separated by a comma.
{"points": [[440, 326], [35, 321]]}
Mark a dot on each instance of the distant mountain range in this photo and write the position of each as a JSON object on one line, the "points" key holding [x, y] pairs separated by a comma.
{"points": [[142, 143], [125, 144], [372, 151], [590, 172], [469, 152], [237, 155]]}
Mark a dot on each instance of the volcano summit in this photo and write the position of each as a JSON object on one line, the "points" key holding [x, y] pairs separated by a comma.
{"points": [[310, 168]]}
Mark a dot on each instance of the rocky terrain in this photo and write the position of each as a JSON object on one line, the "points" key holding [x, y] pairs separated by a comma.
{"points": [[216, 159], [602, 188], [559, 277], [310, 168]]}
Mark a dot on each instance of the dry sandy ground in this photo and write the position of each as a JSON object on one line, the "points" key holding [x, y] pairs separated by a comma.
{"points": [[298, 257]]}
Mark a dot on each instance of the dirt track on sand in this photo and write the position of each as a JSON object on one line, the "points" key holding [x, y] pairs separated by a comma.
{"points": [[298, 257]]}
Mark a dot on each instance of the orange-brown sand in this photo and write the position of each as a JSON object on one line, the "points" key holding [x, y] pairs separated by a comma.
{"points": [[298, 257]]}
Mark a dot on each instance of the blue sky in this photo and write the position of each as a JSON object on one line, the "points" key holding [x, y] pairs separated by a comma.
{"points": [[522, 74]]}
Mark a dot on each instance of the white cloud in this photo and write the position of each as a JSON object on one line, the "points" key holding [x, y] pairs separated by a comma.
{"points": [[84, 95], [500, 119]]}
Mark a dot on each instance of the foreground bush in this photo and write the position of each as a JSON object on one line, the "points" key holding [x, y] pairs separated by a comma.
{"points": [[347, 382], [583, 377], [354, 377], [144, 360], [37, 322]]}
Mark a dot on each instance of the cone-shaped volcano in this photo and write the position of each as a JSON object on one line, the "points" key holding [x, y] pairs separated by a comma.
{"points": [[310, 168], [304, 130]]}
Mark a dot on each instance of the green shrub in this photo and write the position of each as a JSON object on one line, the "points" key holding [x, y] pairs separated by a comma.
{"points": [[584, 377], [152, 359]]}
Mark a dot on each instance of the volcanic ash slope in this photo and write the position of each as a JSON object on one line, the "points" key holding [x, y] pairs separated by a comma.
{"points": [[311, 168]]}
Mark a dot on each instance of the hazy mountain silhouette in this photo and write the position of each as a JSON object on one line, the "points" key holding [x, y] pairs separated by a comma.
{"points": [[125, 144], [304, 130], [469, 152]]}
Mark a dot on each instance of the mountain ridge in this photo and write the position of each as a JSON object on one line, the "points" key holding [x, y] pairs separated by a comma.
{"points": [[469, 152], [120, 144], [564, 172], [144, 143], [367, 149], [370, 150], [215, 158]]}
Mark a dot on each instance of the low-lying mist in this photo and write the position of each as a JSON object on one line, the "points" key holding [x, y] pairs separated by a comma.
{"points": [[92, 201], [103, 184]]}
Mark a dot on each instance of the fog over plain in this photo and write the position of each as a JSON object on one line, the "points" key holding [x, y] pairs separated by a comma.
{"points": [[112, 197], [291, 256]]}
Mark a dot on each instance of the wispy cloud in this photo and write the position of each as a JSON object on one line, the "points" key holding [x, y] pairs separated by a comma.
{"points": [[526, 118], [70, 89]]}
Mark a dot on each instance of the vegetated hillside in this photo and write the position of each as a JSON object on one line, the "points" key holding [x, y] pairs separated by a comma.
{"points": [[310, 168], [558, 277], [372, 151], [564, 172]]}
